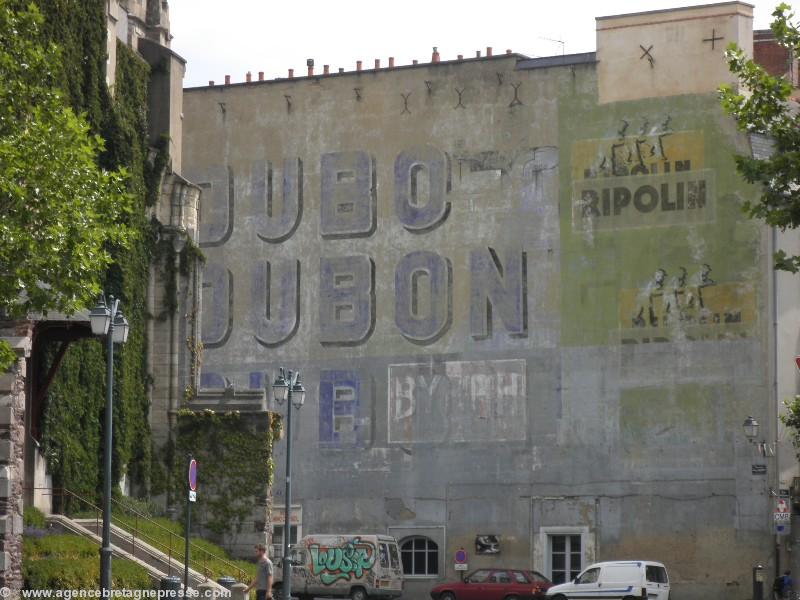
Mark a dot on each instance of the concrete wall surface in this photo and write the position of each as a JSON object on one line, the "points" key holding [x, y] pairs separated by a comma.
{"points": [[522, 317]]}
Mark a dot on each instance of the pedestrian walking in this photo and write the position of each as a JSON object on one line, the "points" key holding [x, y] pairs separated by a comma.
{"points": [[783, 586], [263, 579]]}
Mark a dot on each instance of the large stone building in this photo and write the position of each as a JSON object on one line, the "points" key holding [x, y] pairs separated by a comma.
{"points": [[529, 312], [528, 309]]}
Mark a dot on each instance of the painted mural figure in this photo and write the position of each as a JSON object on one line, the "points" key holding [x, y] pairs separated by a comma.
{"points": [[701, 280], [628, 154], [672, 300], [682, 299], [648, 297]]}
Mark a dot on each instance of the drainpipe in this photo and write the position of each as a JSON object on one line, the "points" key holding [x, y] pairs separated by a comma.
{"points": [[777, 476]]}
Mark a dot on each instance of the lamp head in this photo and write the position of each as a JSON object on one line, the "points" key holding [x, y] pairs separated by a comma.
{"points": [[121, 328], [280, 388], [298, 393], [100, 317], [750, 427]]}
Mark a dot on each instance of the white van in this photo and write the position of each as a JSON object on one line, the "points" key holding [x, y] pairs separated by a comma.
{"points": [[357, 566], [623, 580]]}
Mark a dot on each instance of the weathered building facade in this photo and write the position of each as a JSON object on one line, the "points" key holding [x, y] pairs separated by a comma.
{"points": [[527, 307]]}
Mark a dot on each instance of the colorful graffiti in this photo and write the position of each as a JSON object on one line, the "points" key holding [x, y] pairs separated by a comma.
{"points": [[347, 561]]}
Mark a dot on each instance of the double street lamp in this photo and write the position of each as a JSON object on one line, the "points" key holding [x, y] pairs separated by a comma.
{"points": [[107, 320], [289, 390]]}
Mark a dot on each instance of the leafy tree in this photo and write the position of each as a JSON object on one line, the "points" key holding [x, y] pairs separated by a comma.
{"points": [[60, 213], [762, 105]]}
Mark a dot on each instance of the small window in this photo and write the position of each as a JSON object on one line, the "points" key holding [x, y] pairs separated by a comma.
{"points": [[479, 576], [277, 538], [589, 576], [384, 556], [520, 577], [420, 557], [394, 555], [499, 577], [656, 574]]}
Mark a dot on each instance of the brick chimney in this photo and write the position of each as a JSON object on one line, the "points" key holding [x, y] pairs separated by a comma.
{"points": [[227, 79], [488, 50], [248, 77], [391, 62], [435, 55], [261, 75]]}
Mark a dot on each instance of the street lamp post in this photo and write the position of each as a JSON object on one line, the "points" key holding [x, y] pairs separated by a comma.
{"points": [[750, 427], [292, 390], [108, 320]]}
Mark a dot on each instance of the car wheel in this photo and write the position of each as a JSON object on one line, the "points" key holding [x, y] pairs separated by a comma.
{"points": [[358, 594], [512, 598], [447, 596], [560, 597]]}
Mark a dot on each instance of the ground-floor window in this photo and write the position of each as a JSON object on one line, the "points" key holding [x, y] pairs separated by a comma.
{"points": [[566, 557], [420, 556], [278, 522], [277, 538]]}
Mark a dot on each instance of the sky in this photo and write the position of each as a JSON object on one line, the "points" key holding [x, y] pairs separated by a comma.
{"points": [[235, 36]]}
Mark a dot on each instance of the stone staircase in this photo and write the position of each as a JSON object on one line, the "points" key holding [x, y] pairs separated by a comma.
{"points": [[125, 545]]}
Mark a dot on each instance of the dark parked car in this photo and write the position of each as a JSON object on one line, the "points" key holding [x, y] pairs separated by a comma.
{"points": [[494, 584]]}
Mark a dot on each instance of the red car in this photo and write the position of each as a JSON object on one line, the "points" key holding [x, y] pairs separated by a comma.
{"points": [[494, 584]]}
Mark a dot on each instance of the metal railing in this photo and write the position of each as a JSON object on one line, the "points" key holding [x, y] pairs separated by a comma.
{"points": [[130, 522]]}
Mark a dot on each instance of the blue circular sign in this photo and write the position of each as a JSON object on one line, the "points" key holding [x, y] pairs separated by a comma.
{"points": [[193, 475], [461, 556]]}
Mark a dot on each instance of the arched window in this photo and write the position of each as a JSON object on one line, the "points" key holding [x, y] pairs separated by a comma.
{"points": [[420, 556]]}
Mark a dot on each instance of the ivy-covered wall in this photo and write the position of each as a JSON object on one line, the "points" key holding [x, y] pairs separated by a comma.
{"points": [[73, 415], [233, 451]]}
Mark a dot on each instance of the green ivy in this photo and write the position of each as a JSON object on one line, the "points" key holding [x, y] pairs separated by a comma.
{"points": [[7, 356], [69, 562], [74, 409], [235, 466]]}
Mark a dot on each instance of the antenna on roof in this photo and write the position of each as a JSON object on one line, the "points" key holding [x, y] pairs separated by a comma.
{"points": [[563, 45]]}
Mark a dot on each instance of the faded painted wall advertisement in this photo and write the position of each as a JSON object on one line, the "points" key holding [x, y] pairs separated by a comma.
{"points": [[458, 401], [686, 305], [655, 178]]}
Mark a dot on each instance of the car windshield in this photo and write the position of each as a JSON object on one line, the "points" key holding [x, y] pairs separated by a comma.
{"points": [[520, 577]]}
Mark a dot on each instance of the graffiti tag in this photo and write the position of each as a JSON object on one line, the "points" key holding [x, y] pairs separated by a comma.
{"points": [[342, 562]]}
